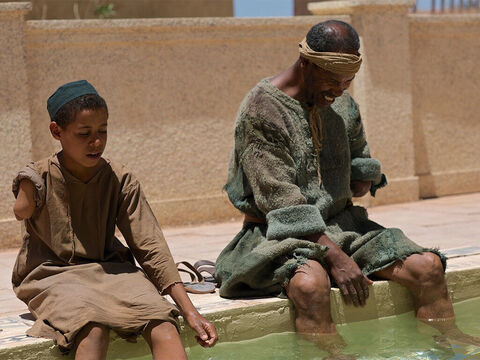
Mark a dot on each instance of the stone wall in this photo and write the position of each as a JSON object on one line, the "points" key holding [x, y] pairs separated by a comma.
{"points": [[173, 87], [85, 9], [15, 139], [446, 88]]}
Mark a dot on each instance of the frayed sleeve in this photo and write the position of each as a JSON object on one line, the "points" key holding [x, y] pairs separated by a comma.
{"points": [[271, 173], [29, 172], [144, 237]]}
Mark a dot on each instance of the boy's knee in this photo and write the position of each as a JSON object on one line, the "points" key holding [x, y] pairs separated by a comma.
{"points": [[98, 333], [162, 330]]}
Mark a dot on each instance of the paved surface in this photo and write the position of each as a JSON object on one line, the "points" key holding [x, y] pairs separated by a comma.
{"points": [[449, 223]]}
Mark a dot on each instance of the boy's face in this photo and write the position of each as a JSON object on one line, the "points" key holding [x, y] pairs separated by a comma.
{"points": [[83, 140]]}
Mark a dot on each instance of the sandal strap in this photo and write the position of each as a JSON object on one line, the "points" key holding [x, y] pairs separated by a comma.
{"points": [[200, 263], [192, 268], [208, 269]]}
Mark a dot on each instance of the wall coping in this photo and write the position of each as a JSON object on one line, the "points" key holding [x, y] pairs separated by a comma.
{"points": [[351, 6], [12, 7], [192, 23], [445, 18]]}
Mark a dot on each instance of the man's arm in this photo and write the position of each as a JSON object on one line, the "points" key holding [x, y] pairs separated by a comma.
{"points": [[365, 171], [352, 283]]}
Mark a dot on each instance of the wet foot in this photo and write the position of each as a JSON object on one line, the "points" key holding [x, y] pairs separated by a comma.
{"points": [[457, 337], [331, 343]]}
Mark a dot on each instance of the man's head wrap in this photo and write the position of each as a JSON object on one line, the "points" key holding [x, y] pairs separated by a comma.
{"points": [[337, 63], [67, 93]]}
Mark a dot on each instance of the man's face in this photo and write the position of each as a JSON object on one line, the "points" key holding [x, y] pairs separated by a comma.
{"points": [[322, 86]]}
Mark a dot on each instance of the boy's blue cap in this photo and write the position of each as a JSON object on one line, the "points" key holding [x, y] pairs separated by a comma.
{"points": [[66, 93]]}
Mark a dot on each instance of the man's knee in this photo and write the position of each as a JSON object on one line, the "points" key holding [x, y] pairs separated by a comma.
{"points": [[427, 269], [309, 284]]}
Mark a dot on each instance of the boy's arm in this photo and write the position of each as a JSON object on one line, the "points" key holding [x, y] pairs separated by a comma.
{"points": [[207, 334], [25, 203], [144, 237]]}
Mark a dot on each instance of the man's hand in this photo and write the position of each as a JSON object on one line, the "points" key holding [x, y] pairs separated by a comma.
{"points": [[360, 188], [207, 334], [353, 284]]}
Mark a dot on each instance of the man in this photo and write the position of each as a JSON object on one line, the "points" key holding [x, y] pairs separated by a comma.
{"points": [[300, 156]]}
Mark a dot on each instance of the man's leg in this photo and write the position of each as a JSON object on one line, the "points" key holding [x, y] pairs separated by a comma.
{"points": [[423, 275], [164, 341], [309, 290]]}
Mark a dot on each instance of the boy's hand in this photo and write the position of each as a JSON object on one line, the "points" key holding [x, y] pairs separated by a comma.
{"points": [[207, 334], [25, 203]]}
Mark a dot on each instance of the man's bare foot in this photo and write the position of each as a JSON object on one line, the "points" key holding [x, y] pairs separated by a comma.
{"points": [[340, 357], [456, 336], [333, 344], [450, 333]]}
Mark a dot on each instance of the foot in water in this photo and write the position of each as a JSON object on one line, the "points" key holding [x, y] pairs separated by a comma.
{"points": [[333, 344], [457, 338]]}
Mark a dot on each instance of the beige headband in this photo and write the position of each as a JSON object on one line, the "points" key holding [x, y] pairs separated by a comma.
{"points": [[337, 63]]}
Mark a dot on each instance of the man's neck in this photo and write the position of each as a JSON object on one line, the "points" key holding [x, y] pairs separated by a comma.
{"points": [[290, 82]]}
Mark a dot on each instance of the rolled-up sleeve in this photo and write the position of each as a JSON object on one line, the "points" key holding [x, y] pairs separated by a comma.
{"points": [[29, 172]]}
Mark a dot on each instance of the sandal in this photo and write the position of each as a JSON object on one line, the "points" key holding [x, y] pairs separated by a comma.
{"points": [[206, 266], [197, 285]]}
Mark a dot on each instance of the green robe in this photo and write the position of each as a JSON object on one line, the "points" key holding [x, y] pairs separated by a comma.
{"points": [[273, 176]]}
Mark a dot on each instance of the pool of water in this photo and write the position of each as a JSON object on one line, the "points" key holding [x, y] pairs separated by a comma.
{"points": [[393, 338], [397, 337]]}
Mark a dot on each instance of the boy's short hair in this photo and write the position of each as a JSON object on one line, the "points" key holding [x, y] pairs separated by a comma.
{"points": [[66, 114]]}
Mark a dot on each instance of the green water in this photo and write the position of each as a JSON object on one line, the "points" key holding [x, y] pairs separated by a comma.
{"points": [[395, 338]]}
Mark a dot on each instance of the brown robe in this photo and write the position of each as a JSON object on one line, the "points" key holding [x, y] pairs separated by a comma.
{"points": [[72, 270]]}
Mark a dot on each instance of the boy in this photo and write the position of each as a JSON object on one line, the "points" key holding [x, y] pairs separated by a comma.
{"points": [[76, 277]]}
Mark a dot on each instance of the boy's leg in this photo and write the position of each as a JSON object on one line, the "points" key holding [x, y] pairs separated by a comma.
{"points": [[92, 342], [164, 341]]}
